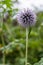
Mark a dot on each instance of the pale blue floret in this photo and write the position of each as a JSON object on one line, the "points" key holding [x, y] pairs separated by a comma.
{"points": [[26, 18]]}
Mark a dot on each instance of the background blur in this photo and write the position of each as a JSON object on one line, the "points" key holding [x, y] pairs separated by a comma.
{"points": [[12, 36]]}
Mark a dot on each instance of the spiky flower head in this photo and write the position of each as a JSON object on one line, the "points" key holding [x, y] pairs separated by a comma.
{"points": [[26, 18]]}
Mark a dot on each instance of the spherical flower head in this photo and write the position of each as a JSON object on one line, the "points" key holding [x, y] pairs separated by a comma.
{"points": [[26, 18]]}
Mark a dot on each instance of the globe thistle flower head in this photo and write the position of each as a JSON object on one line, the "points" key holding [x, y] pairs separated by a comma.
{"points": [[26, 18]]}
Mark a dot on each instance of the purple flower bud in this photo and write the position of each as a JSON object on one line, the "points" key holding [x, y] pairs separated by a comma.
{"points": [[26, 18]]}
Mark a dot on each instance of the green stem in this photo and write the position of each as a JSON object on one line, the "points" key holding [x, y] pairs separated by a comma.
{"points": [[26, 44], [3, 51], [3, 43], [9, 31]]}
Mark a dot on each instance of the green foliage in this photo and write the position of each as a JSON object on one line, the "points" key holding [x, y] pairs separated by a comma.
{"points": [[13, 36], [40, 62]]}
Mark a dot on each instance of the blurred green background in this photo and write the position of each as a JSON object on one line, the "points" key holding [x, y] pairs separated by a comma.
{"points": [[13, 36]]}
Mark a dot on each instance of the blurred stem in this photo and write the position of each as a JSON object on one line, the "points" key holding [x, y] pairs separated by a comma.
{"points": [[3, 45], [26, 44], [3, 50], [9, 31]]}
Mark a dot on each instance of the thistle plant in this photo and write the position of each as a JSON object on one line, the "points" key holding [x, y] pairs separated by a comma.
{"points": [[26, 18]]}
